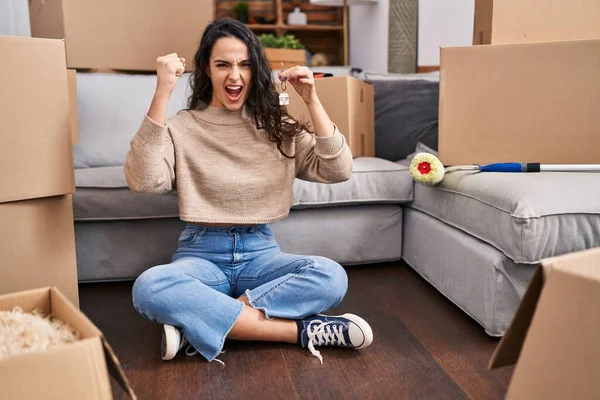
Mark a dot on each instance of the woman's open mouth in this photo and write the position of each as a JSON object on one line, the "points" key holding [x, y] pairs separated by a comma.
{"points": [[234, 92]]}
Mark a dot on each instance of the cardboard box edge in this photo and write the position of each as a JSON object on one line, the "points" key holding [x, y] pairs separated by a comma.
{"points": [[39, 292], [72, 85], [84, 354], [9, 198], [52, 293], [450, 59], [441, 103], [483, 11], [116, 370], [113, 363], [508, 350]]}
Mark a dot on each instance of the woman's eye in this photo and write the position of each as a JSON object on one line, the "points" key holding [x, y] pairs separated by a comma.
{"points": [[221, 65], [245, 65]]}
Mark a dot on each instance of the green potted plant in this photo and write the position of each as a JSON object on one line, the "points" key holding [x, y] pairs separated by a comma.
{"points": [[286, 49], [240, 9], [268, 40]]}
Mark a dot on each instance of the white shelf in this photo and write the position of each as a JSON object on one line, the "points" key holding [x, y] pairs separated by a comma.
{"points": [[340, 3]]}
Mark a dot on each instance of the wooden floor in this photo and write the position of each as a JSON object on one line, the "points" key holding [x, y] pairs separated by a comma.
{"points": [[424, 348]]}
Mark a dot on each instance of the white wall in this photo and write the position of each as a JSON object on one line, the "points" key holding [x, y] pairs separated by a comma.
{"points": [[441, 23], [368, 36], [14, 18]]}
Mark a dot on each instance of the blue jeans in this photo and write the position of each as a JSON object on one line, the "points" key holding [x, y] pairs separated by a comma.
{"points": [[197, 292]]}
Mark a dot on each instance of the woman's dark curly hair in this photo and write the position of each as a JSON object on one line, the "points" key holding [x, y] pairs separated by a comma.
{"points": [[263, 99]]}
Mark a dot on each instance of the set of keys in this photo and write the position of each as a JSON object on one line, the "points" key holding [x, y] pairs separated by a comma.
{"points": [[284, 98]]}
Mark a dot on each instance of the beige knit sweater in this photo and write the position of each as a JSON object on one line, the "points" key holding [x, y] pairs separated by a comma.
{"points": [[224, 170]]}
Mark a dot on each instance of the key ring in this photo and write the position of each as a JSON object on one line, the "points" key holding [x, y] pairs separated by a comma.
{"points": [[284, 82]]}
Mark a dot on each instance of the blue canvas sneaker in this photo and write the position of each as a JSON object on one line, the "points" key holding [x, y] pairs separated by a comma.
{"points": [[346, 330]]}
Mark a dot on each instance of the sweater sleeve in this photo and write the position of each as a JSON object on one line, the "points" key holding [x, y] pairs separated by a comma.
{"points": [[150, 162], [323, 159]]}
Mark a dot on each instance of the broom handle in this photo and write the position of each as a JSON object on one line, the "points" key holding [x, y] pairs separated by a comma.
{"points": [[570, 167], [537, 167]]}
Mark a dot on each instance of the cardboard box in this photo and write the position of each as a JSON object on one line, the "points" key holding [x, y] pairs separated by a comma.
{"points": [[553, 337], [36, 155], [520, 103], [37, 246], [289, 57], [518, 21], [350, 104], [72, 83], [113, 34], [72, 371]]}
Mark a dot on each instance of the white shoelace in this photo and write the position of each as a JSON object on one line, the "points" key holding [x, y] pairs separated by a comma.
{"points": [[219, 361], [323, 333], [191, 351]]}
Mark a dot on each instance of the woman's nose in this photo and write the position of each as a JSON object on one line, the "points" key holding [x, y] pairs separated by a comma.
{"points": [[235, 72]]}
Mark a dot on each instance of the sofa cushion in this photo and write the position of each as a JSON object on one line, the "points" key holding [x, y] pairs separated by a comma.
{"points": [[110, 110], [111, 107], [102, 193], [528, 216], [373, 181], [406, 112]]}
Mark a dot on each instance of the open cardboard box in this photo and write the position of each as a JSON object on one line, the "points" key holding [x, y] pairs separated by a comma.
{"points": [[77, 370], [553, 338], [349, 102]]}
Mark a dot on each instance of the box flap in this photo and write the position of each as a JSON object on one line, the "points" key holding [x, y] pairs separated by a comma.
{"points": [[28, 300], [116, 370], [65, 310], [510, 345], [560, 356], [584, 263]]}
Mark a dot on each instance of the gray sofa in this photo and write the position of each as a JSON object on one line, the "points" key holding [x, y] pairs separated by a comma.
{"points": [[476, 238], [120, 233]]}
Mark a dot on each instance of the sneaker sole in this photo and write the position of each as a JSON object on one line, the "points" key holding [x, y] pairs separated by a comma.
{"points": [[364, 327], [169, 335]]}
